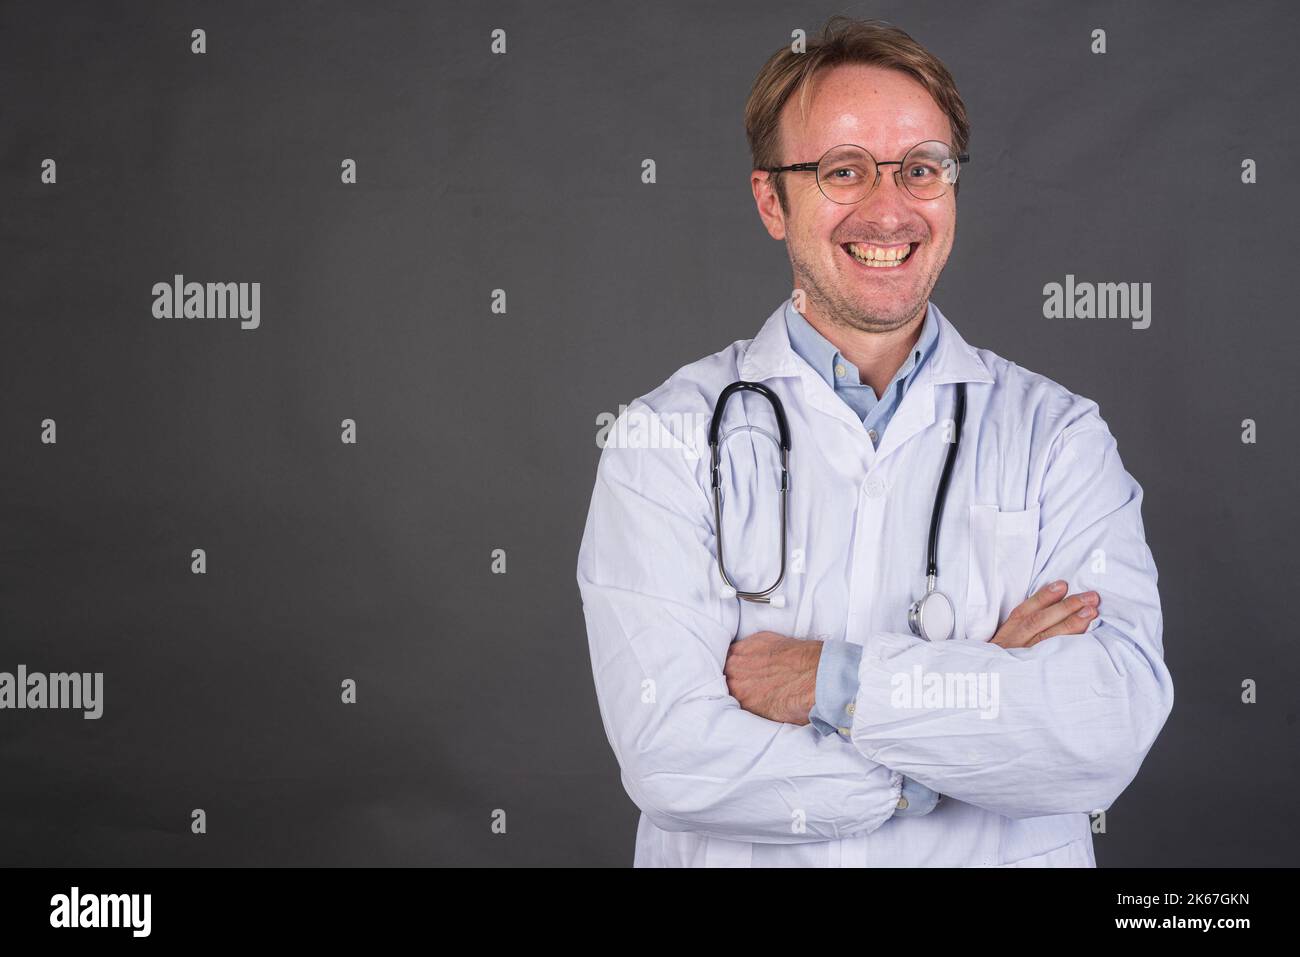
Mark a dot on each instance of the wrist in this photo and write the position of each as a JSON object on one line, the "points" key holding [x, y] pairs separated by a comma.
{"points": [[804, 693]]}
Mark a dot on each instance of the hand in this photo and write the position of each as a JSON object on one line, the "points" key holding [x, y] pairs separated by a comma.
{"points": [[1045, 614], [773, 676]]}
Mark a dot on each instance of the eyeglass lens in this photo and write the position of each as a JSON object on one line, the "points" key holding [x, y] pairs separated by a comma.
{"points": [[846, 173]]}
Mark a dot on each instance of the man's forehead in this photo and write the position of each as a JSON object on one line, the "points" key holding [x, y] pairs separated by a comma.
{"points": [[883, 110]]}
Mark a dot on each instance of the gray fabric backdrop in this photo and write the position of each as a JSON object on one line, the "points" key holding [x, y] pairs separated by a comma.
{"points": [[476, 430]]}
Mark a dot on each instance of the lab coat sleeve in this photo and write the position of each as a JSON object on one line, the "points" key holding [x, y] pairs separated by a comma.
{"points": [[691, 758], [1065, 724]]}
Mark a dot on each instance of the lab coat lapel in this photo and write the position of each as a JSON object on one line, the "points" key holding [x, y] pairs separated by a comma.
{"points": [[914, 413], [953, 361], [770, 354]]}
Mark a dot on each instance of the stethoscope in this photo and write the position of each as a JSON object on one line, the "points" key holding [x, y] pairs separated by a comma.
{"points": [[931, 616]]}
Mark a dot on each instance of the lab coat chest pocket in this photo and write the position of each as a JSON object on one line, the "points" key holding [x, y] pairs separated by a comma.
{"points": [[1002, 550]]}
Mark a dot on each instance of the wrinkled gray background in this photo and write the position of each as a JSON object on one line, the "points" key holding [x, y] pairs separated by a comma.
{"points": [[477, 431]]}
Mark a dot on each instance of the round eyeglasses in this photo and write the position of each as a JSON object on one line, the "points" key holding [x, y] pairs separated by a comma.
{"points": [[847, 173]]}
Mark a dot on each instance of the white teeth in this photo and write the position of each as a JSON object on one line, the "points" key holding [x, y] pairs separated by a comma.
{"points": [[878, 257]]}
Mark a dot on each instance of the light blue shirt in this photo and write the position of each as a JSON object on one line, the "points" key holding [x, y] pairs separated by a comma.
{"points": [[837, 673], [842, 375]]}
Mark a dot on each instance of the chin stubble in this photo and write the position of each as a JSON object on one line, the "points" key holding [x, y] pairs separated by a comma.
{"points": [[844, 311]]}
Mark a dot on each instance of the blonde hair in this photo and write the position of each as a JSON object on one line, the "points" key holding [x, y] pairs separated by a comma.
{"points": [[843, 40]]}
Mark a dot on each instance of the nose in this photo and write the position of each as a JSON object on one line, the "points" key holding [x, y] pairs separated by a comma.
{"points": [[888, 203], [889, 182]]}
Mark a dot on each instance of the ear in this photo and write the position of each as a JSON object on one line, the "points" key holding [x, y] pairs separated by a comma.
{"points": [[769, 204]]}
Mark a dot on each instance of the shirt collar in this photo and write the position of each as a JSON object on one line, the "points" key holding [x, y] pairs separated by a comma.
{"points": [[771, 355], [820, 353]]}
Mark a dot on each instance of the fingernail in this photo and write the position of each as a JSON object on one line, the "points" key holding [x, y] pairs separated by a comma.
{"points": [[1058, 586], [1084, 612]]}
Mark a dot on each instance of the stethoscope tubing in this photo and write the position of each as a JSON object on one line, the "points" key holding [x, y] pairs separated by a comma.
{"points": [[715, 480], [783, 429], [932, 558]]}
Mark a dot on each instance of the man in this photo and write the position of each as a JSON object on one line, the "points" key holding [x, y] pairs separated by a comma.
{"points": [[819, 728]]}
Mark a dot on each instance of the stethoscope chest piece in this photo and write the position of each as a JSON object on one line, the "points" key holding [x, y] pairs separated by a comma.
{"points": [[932, 617]]}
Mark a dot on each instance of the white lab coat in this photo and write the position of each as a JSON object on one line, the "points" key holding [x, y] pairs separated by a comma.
{"points": [[1037, 493]]}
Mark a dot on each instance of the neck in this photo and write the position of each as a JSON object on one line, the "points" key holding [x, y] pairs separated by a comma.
{"points": [[877, 355]]}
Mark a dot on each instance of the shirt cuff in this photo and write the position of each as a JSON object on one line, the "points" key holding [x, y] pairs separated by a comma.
{"points": [[837, 687], [920, 799]]}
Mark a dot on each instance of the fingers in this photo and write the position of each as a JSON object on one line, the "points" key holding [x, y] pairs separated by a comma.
{"points": [[1055, 614], [1046, 614], [1079, 611], [1049, 594]]}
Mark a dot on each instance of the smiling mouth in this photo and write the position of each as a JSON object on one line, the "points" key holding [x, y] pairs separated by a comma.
{"points": [[880, 257]]}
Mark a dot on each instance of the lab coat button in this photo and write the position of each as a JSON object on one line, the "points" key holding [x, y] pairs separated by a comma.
{"points": [[875, 487]]}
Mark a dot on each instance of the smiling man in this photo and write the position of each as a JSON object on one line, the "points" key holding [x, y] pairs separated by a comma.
{"points": [[884, 665]]}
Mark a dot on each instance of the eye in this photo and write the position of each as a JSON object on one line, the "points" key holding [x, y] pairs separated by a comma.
{"points": [[922, 170]]}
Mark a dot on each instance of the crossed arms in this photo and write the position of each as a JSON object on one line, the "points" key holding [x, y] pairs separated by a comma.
{"points": [[1078, 713]]}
